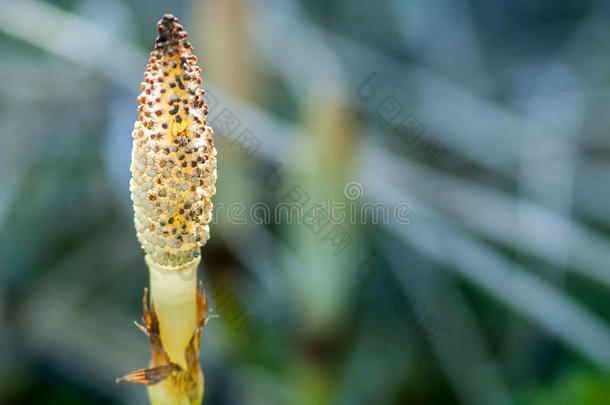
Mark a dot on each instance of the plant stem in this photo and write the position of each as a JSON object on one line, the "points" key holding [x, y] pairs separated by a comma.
{"points": [[173, 298], [173, 294], [173, 166]]}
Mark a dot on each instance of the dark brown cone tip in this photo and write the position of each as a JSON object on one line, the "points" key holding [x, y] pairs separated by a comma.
{"points": [[169, 29]]}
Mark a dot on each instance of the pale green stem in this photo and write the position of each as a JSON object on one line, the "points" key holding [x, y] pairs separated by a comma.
{"points": [[173, 293]]}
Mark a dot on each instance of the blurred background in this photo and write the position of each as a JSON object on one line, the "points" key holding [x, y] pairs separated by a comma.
{"points": [[459, 150]]}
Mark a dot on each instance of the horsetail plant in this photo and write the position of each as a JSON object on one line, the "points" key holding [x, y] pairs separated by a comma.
{"points": [[173, 168]]}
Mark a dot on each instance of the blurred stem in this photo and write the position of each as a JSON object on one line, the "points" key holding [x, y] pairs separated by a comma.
{"points": [[173, 297]]}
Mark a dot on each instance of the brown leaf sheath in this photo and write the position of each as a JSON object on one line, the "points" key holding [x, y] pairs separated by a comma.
{"points": [[160, 366]]}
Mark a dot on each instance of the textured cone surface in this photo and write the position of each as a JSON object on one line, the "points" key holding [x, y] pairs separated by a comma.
{"points": [[173, 162]]}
